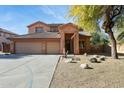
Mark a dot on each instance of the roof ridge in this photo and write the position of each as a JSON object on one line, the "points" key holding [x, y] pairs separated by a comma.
{"points": [[37, 22], [7, 31], [37, 33]]}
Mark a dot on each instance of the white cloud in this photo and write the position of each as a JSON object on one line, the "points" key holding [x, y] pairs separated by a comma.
{"points": [[47, 10]]}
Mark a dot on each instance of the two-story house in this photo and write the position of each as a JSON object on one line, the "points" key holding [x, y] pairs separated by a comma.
{"points": [[5, 36], [45, 38]]}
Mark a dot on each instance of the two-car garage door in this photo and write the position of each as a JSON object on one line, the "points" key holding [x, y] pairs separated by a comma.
{"points": [[37, 47], [52, 47]]}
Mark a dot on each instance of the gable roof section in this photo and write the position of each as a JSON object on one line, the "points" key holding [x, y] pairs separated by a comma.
{"points": [[64, 25], [51, 25], [40, 35], [37, 23], [6, 31]]}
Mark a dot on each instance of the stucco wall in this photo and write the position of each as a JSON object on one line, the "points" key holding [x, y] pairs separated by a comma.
{"points": [[32, 28], [120, 48], [69, 29]]}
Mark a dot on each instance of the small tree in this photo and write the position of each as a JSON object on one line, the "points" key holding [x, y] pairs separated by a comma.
{"points": [[88, 17], [98, 39]]}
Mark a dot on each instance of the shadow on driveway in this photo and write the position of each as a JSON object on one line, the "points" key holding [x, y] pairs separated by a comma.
{"points": [[12, 56]]}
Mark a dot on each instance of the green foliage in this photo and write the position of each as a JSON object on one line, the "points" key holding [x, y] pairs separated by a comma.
{"points": [[120, 38], [119, 21], [87, 16], [98, 39], [119, 34]]}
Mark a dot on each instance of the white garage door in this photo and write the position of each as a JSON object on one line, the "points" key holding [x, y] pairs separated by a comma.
{"points": [[29, 47], [52, 47]]}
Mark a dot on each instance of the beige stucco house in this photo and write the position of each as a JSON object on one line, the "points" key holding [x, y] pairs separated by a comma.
{"points": [[45, 38], [5, 41]]}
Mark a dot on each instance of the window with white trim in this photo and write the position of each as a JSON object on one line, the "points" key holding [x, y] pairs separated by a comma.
{"points": [[39, 30]]}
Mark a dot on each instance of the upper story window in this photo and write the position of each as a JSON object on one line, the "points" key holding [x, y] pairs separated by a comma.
{"points": [[54, 29], [39, 30]]}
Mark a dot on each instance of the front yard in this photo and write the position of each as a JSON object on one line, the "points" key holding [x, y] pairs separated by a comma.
{"points": [[109, 73]]}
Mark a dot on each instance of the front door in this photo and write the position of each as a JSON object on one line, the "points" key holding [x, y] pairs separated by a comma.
{"points": [[69, 44]]}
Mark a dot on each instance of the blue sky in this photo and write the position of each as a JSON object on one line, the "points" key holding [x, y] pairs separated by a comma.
{"points": [[16, 18]]}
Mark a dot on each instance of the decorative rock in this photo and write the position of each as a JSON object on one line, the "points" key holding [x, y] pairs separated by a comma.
{"points": [[85, 54], [84, 66], [102, 58], [74, 61], [76, 58], [95, 56], [98, 60], [68, 60], [93, 60]]}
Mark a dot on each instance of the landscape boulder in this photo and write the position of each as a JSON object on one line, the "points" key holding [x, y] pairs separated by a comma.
{"points": [[84, 66], [68, 60], [95, 56], [85, 54], [93, 60], [102, 58], [76, 58]]}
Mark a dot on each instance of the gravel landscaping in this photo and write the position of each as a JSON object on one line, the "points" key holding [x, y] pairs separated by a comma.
{"points": [[108, 73]]}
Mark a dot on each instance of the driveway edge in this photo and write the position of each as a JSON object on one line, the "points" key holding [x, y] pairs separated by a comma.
{"points": [[55, 70]]}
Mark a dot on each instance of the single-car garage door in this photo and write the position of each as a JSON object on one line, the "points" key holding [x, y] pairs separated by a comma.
{"points": [[53, 47], [29, 47]]}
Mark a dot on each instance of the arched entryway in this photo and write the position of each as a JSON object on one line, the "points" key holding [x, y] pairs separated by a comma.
{"points": [[69, 38], [69, 43]]}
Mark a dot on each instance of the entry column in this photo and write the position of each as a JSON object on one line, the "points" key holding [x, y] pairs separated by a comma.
{"points": [[76, 43], [62, 43]]}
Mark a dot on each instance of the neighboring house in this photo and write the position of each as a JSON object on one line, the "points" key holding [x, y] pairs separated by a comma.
{"points": [[5, 36], [45, 38], [120, 48]]}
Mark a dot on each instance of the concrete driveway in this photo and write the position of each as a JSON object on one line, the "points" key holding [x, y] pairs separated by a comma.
{"points": [[27, 71]]}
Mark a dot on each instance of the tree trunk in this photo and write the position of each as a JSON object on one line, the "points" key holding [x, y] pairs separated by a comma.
{"points": [[114, 53]]}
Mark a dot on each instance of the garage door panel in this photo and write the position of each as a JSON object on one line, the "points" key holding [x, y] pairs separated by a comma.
{"points": [[53, 47], [29, 48], [37, 47]]}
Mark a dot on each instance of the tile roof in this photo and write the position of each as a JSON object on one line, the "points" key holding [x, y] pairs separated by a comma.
{"points": [[52, 24], [84, 33], [55, 24], [6, 31], [37, 23], [40, 35]]}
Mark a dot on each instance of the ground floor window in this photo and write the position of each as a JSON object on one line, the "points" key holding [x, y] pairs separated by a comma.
{"points": [[81, 44]]}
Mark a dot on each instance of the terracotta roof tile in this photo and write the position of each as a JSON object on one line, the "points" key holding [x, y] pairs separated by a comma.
{"points": [[84, 33], [37, 23], [40, 35], [6, 31]]}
